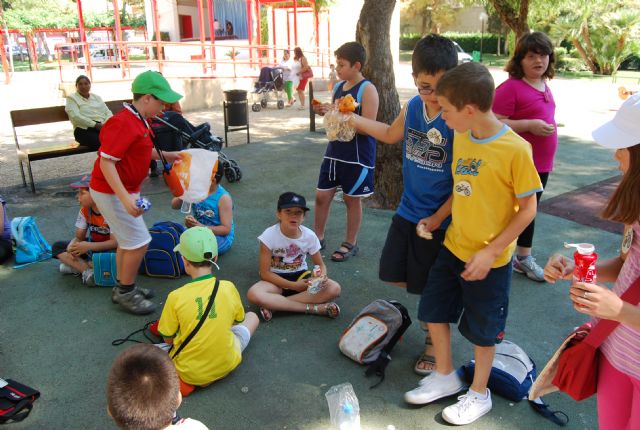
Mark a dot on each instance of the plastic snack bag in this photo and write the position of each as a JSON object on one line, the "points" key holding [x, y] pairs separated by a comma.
{"points": [[190, 176], [336, 120]]}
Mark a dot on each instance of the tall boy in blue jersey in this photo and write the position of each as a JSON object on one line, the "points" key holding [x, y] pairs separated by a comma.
{"points": [[348, 164], [426, 172]]}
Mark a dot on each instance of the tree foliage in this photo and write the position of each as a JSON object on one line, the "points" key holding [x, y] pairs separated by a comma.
{"points": [[604, 33], [434, 14]]}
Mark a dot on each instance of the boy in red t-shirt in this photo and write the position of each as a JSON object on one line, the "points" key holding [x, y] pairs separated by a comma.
{"points": [[123, 161], [74, 255]]}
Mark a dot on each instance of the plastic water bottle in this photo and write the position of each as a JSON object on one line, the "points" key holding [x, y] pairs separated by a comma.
{"points": [[143, 204], [585, 262], [343, 407], [349, 418], [316, 281]]}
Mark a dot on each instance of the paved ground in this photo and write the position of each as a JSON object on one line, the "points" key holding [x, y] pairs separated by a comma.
{"points": [[56, 335]]}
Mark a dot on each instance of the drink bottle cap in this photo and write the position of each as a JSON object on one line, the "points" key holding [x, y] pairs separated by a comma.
{"points": [[347, 408], [583, 248]]}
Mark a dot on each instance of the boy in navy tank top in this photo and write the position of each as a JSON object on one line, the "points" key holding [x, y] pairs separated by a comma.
{"points": [[417, 229], [348, 164]]}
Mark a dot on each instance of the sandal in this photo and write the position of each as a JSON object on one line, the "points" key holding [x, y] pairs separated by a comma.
{"points": [[351, 250], [266, 314], [425, 364], [331, 310]]}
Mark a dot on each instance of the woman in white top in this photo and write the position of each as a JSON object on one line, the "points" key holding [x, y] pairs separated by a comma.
{"points": [[87, 112], [286, 64]]}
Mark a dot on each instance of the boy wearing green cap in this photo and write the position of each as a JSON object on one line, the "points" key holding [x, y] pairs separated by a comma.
{"points": [[123, 160], [216, 349]]}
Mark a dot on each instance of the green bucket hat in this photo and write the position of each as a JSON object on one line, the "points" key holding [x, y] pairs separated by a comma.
{"points": [[154, 83], [198, 244]]}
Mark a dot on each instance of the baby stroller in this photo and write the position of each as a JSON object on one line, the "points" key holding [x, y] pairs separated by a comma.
{"points": [[174, 133], [269, 88]]}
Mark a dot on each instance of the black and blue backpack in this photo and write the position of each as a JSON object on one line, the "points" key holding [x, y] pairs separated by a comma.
{"points": [[512, 375], [31, 246], [161, 260]]}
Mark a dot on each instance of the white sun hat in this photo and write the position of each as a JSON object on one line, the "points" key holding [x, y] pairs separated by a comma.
{"points": [[623, 130]]}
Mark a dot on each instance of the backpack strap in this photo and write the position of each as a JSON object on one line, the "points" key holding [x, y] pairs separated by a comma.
{"points": [[378, 367], [364, 84], [336, 89], [556, 417], [202, 320]]}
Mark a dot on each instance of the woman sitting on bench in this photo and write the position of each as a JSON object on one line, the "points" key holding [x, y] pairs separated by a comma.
{"points": [[87, 112]]}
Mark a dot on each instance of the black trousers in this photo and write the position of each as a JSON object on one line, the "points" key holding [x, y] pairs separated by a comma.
{"points": [[6, 250], [526, 237], [89, 137]]}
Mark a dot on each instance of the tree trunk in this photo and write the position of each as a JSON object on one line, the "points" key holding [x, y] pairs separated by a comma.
{"points": [[584, 55], [516, 20], [373, 33]]}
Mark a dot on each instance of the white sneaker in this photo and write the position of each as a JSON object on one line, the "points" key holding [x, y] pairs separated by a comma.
{"points": [[87, 278], [433, 387], [528, 266], [68, 270], [469, 408]]}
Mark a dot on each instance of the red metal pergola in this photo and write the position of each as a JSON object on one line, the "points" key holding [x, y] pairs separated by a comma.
{"points": [[293, 7]]}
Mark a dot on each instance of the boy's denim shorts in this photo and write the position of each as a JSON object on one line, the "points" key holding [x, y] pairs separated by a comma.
{"points": [[355, 180], [480, 306]]}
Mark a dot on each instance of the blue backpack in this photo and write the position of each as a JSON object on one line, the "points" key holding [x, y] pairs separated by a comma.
{"points": [[31, 246], [161, 260], [511, 377]]}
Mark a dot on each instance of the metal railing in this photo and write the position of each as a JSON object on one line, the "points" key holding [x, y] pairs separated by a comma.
{"points": [[176, 59]]}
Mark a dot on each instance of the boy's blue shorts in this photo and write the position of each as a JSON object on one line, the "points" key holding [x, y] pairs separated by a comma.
{"points": [[224, 244], [355, 180], [483, 304]]}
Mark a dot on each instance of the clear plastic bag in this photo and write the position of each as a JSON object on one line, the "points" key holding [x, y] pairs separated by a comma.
{"points": [[343, 407], [337, 125]]}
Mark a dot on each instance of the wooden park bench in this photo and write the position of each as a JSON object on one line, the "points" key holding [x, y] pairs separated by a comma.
{"points": [[47, 115]]}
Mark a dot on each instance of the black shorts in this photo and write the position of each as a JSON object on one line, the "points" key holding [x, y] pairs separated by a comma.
{"points": [[406, 257], [293, 277]]}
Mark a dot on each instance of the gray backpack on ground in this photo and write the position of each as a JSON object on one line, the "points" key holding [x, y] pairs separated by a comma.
{"points": [[373, 333]]}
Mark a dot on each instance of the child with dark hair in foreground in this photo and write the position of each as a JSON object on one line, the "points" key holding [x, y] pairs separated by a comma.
{"points": [[143, 391]]}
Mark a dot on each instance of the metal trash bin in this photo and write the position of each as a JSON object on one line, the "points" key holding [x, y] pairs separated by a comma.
{"points": [[236, 112]]}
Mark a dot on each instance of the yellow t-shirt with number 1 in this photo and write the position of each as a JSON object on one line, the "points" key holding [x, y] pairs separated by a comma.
{"points": [[212, 353], [489, 176]]}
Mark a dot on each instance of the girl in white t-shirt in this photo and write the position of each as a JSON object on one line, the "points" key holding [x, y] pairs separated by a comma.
{"points": [[285, 276], [286, 64]]}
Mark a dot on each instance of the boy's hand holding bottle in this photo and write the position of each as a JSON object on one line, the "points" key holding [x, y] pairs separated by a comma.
{"points": [[190, 221]]}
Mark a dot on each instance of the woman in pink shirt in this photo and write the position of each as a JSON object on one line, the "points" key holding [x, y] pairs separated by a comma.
{"points": [[619, 369], [524, 102]]}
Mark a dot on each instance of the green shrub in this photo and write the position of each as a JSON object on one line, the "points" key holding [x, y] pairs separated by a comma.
{"points": [[470, 42]]}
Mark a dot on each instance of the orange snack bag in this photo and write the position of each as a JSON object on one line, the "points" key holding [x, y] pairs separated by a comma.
{"points": [[347, 104]]}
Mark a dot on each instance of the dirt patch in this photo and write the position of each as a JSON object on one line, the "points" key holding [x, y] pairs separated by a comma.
{"points": [[585, 205]]}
